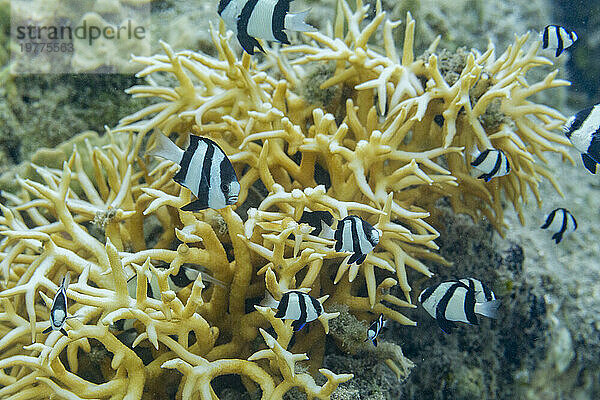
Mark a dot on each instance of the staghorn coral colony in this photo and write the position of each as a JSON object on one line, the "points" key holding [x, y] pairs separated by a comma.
{"points": [[337, 124]]}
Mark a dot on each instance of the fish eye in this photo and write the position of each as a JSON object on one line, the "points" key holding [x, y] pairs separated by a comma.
{"points": [[224, 187]]}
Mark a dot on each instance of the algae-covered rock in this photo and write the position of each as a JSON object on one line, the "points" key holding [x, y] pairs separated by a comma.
{"points": [[53, 158], [46, 110]]}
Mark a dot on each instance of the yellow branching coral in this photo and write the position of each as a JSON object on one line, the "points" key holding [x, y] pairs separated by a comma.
{"points": [[397, 137], [487, 106]]}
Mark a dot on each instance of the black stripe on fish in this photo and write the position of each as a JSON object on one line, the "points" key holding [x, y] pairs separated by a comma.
{"points": [[282, 7], [182, 279], [579, 119], [545, 37], [487, 292], [316, 305], [440, 309], [338, 235], [227, 174], [207, 170], [549, 219], [480, 158], [247, 42], [185, 161], [425, 294], [561, 44], [283, 305], [588, 162], [368, 230], [354, 235], [300, 322], [223, 5], [470, 303]]}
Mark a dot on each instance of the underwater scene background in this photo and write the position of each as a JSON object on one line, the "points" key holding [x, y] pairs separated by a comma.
{"points": [[378, 113]]}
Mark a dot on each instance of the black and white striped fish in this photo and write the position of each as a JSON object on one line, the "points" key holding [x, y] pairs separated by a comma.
{"points": [[562, 221], [459, 301], [205, 170], [375, 329], [557, 38], [299, 307], [583, 130], [357, 236], [321, 221], [58, 311], [262, 19], [492, 163], [185, 277]]}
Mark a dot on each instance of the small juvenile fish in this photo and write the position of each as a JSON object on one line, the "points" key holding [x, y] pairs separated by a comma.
{"points": [[557, 38], [263, 19], [492, 163], [321, 221], [300, 307], [583, 130], [375, 329], [58, 311], [562, 221], [459, 301], [357, 236], [185, 277], [205, 170]]}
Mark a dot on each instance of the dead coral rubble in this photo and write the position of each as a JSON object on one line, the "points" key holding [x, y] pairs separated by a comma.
{"points": [[381, 156]]}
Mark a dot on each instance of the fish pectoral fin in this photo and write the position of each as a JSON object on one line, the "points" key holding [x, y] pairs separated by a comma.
{"points": [[557, 237], [48, 329], [196, 205], [485, 177], [297, 325], [248, 43], [445, 325], [589, 163]]}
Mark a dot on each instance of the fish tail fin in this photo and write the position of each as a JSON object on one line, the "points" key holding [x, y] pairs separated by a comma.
{"points": [[208, 278], [295, 22], [488, 309], [196, 205], [165, 148], [327, 232], [269, 301], [66, 280]]}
